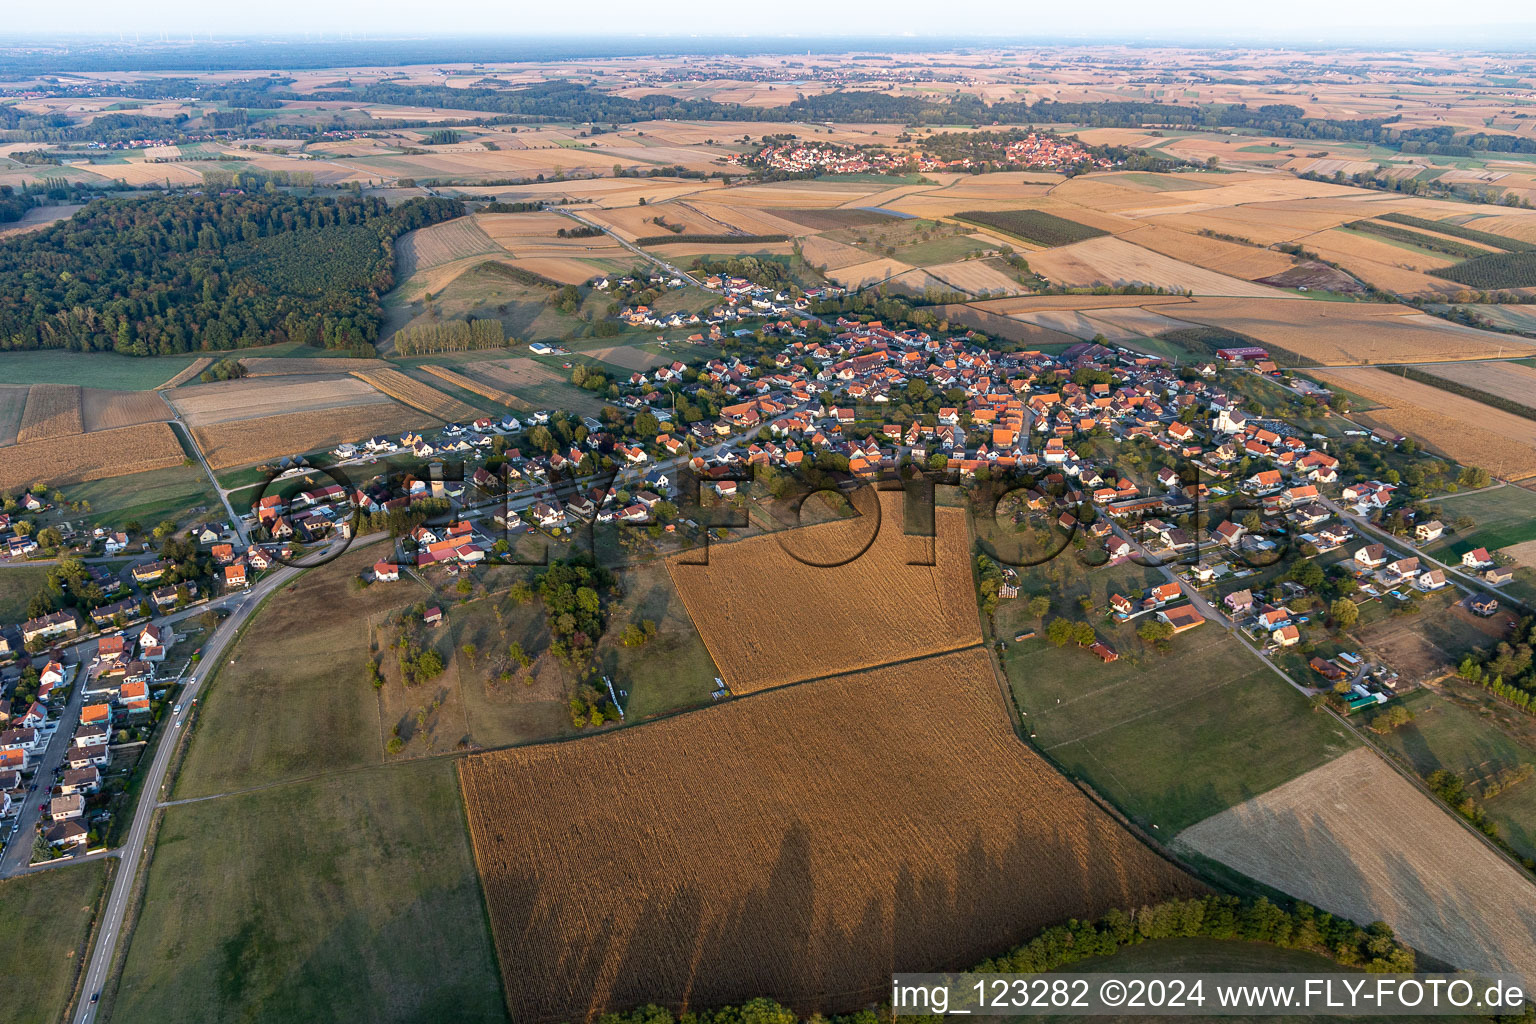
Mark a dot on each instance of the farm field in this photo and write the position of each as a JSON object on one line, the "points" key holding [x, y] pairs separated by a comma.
{"points": [[1227, 258], [18, 582], [1468, 732], [281, 366], [1502, 517], [1344, 333], [149, 497], [1355, 838], [362, 905], [204, 405], [746, 632], [1112, 261], [81, 457], [296, 699], [1169, 738], [102, 409], [92, 370], [434, 246], [45, 920], [421, 396], [540, 386], [13, 399], [1466, 430], [738, 880], [52, 410], [458, 380], [1505, 378], [246, 442]]}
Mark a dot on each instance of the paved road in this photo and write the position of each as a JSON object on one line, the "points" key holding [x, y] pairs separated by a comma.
{"points": [[235, 521], [132, 850]]}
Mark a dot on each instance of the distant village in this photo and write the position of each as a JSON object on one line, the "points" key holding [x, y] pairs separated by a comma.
{"points": [[1034, 151]]}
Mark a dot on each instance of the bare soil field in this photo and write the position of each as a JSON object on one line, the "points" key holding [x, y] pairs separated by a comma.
{"points": [[514, 373], [1344, 333], [1040, 303], [759, 636], [634, 222], [755, 222], [1097, 193], [37, 218], [1523, 553], [503, 228], [678, 815], [433, 246], [628, 356], [52, 410], [1503, 378], [418, 395], [977, 277], [1355, 838], [870, 272], [1109, 260], [1468, 431], [1245, 261], [203, 405], [247, 442], [104, 410], [824, 252], [76, 458], [566, 270]]}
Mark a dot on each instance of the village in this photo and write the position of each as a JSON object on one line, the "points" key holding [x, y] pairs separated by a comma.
{"points": [[1130, 457]]}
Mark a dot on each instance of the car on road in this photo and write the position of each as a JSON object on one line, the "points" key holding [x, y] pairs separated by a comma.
{"points": [[176, 710]]}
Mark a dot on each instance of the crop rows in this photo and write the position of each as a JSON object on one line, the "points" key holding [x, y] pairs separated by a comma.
{"points": [[77, 458], [803, 843], [743, 240], [52, 410], [1415, 238], [473, 386], [417, 395], [1459, 231], [1035, 226], [1495, 270]]}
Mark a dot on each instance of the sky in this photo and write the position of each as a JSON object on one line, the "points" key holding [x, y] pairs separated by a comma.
{"points": [[1489, 22]]}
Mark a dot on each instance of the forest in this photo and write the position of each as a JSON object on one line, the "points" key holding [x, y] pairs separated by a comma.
{"points": [[207, 273]]}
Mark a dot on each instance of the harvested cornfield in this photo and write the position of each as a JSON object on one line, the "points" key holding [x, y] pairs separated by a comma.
{"points": [[473, 386], [52, 410], [870, 608], [76, 458], [1355, 838], [1464, 429], [102, 409], [802, 843], [248, 442], [196, 367], [1245, 261], [434, 246], [417, 395]]}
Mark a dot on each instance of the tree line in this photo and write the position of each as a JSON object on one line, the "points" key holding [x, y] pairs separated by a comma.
{"points": [[207, 273]]}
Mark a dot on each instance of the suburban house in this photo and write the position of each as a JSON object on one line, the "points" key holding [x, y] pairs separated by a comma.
{"points": [[1238, 601], [1327, 669], [65, 808], [48, 626], [1484, 605], [1182, 618], [1286, 636], [1434, 579], [386, 572], [66, 835], [1426, 532], [1498, 575], [234, 576], [1477, 558], [1371, 556]]}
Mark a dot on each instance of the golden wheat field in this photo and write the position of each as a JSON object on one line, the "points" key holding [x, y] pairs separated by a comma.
{"points": [[1466, 430], [874, 609], [417, 395], [247, 442], [52, 410], [804, 843], [434, 246], [975, 277], [1245, 261], [1503, 378], [104, 410], [76, 458], [1356, 839], [283, 366]]}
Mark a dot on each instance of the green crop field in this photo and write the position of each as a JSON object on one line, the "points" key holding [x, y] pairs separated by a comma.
{"points": [[346, 898], [17, 585], [1035, 226], [1170, 738], [147, 497], [292, 698], [1501, 517], [92, 370], [1466, 731], [45, 921]]}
